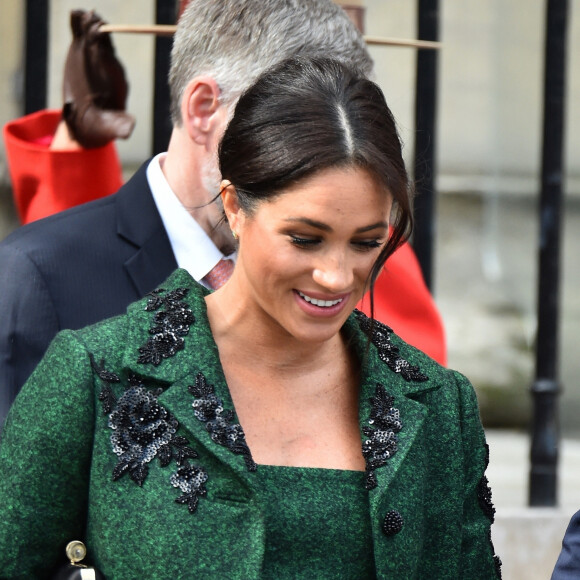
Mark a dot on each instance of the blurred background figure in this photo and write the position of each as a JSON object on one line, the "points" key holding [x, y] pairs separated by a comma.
{"points": [[59, 159], [568, 564]]}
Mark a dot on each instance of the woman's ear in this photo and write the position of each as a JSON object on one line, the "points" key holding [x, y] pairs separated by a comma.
{"points": [[201, 110], [232, 209]]}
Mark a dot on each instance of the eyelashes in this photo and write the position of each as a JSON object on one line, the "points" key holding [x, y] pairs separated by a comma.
{"points": [[311, 243], [370, 244], [304, 242]]}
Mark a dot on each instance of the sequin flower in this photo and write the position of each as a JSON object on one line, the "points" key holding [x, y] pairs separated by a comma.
{"points": [[140, 428], [380, 335], [382, 442], [209, 409], [169, 327], [191, 481]]}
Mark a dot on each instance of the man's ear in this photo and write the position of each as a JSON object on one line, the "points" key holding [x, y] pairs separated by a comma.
{"points": [[201, 109], [232, 209]]}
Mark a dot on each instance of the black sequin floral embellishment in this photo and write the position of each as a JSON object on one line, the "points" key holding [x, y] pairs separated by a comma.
{"points": [[382, 440], [484, 497], [380, 335], [142, 430], [141, 427], [484, 492], [170, 325], [106, 396], [191, 481], [218, 421]]}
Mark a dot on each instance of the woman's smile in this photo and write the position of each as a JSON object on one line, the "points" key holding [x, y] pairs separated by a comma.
{"points": [[319, 301], [321, 306]]}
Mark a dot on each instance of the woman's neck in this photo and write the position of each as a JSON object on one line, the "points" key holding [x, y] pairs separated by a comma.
{"points": [[261, 341], [297, 402]]}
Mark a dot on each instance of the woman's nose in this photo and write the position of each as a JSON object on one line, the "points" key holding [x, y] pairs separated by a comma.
{"points": [[334, 274]]}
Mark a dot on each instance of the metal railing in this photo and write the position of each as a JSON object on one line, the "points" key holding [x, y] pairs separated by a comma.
{"points": [[545, 389], [425, 126]]}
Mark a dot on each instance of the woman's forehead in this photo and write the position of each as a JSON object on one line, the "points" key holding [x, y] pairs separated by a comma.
{"points": [[337, 193]]}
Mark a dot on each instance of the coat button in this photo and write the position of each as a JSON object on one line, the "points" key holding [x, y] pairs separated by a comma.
{"points": [[393, 523]]}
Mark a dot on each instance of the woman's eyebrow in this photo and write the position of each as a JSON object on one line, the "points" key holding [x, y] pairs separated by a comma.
{"points": [[382, 224], [307, 221], [326, 228]]}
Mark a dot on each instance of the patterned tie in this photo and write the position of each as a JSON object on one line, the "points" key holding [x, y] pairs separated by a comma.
{"points": [[219, 274]]}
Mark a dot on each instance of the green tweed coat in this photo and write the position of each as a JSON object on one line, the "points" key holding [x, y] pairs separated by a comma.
{"points": [[126, 437]]}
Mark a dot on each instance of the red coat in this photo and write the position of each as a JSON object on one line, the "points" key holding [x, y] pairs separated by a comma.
{"points": [[46, 181]]}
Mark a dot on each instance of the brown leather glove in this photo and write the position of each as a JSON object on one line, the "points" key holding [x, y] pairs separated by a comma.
{"points": [[94, 85]]}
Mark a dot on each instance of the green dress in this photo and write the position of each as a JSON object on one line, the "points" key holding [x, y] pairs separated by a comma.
{"points": [[320, 514], [126, 437]]}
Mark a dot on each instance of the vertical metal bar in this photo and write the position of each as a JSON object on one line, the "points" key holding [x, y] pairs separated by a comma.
{"points": [[36, 55], [165, 13], [425, 117], [545, 389]]}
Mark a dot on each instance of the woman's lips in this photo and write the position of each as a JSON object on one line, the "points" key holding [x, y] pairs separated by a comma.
{"points": [[320, 305]]}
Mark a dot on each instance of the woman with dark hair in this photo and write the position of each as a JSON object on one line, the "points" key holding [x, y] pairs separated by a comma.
{"points": [[265, 430]]}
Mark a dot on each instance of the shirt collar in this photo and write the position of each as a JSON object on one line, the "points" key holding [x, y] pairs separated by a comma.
{"points": [[194, 250]]}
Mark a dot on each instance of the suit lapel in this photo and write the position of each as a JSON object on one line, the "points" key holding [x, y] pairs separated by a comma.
{"points": [[199, 358], [139, 223]]}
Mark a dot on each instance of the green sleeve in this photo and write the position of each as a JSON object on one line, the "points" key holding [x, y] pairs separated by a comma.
{"points": [[45, 455], [477, 554]]}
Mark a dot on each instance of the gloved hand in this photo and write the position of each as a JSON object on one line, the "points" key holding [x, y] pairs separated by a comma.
{"points": [[94, 85]]}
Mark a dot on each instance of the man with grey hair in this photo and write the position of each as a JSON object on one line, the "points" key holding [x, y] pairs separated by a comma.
{"points": [[219, 49], [90, 262]]}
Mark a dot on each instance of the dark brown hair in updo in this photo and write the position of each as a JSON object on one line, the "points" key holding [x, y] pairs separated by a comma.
{"points": [[306, 115]]}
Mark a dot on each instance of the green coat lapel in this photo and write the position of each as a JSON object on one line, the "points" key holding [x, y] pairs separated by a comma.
{"points": [[199, 354], [412, 412]]}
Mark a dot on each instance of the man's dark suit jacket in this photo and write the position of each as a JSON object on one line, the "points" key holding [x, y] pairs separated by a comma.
{"points": [[568, 564], [76, 268]]}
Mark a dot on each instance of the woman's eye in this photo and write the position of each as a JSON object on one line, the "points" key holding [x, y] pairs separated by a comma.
{"points": [[304, 242], [368, 244]]}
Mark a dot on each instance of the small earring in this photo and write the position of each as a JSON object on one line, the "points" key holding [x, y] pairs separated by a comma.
{"points": [[235, 235]]}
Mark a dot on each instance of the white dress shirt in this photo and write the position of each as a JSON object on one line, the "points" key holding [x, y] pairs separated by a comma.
{"points": [[194, 250]]}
